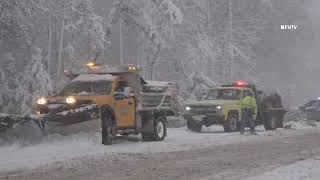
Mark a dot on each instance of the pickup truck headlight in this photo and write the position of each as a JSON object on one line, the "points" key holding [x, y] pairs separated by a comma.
{"points": [[70, 100], [188, 108], [219, 108], [42, 101]]}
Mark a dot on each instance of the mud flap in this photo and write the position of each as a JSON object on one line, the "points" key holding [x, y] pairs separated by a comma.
{"points": [[148, 125]]}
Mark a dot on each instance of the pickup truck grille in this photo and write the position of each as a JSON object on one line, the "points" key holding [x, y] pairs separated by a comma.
{"points": [[203, 109]]}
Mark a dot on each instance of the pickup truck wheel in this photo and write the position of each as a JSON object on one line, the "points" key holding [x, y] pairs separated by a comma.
{"points": [[108, 129], [280, 123], [159, 131], [231, 124], [193, 126]]}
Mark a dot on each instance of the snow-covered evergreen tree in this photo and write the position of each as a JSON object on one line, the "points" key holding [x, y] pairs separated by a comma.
{"points": [[9, 83], [34, 83]]}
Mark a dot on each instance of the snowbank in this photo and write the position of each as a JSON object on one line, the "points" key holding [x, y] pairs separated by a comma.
{"points": [[302, 170], [63, 146], [295, 119]]}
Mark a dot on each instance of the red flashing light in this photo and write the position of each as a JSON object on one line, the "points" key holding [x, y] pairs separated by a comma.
{"points": [[241, 83]]}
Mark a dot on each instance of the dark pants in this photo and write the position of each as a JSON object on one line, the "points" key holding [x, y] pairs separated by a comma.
{"points": [[247, 119]]}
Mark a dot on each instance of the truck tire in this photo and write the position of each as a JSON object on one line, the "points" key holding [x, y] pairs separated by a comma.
{"points": [[280, 123], [193, 126], [159, 131], [232, 123], [271, 123], [109, 128]]}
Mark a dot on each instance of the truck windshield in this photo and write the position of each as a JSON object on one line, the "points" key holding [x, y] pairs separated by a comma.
{"points": [[87, 88], [224, 94]]}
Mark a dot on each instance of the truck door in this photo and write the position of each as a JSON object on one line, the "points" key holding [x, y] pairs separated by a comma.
{"points": [[124, 107]]}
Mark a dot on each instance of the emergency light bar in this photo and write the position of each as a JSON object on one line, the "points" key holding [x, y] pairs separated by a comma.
{"points": [[93, 68], [239, 83]]}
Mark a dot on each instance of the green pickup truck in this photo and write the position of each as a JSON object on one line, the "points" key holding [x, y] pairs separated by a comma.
{"points": [[223, 106]]}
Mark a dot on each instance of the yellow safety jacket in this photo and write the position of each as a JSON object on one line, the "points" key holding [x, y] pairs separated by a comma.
{"points": [[249, 102]]}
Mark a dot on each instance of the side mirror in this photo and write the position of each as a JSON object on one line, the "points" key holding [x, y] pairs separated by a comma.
{"points": [[128, 91]]}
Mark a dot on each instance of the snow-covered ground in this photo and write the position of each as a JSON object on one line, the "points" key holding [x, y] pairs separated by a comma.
{"points": [[64, 147], [301, 170]]}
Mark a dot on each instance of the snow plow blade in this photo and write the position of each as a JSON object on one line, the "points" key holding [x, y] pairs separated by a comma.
{"points": [[10, 121], [81, 114], [78, 115]]}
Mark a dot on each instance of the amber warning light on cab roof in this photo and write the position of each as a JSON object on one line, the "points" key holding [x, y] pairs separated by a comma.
{"points": [[91, 64]]}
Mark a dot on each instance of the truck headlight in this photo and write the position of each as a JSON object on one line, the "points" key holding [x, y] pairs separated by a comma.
{"points": [[70, 100], [42, 101], [219, 108], [188, 108]]}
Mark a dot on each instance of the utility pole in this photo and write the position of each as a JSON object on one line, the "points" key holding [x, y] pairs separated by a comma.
{"points": [[49, 46], [230, 39], [60, 63], [121, 42]]}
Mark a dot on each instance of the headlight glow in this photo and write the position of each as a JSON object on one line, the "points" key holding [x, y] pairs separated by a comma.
{"points": [[219, 107], [42, 101], [188, 108], [70, 100]]}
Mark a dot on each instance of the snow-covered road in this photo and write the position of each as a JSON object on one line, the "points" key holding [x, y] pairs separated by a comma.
{"points": [[55, 149], [302, 170]]}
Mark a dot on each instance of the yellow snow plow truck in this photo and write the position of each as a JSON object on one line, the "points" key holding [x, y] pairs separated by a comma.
{"points": [[113, 94]]}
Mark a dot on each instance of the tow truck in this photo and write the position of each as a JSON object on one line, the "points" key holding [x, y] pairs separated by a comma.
{"points": [[223, 106], [113, 94]]}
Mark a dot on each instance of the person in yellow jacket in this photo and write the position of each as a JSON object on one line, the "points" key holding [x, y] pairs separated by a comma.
{"points": [[248, 105]]}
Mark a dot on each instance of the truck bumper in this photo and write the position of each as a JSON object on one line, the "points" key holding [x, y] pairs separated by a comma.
{"points": [[207, 120]]}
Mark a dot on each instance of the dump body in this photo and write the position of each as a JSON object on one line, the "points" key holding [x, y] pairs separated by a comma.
{"points": [[160, 95]]}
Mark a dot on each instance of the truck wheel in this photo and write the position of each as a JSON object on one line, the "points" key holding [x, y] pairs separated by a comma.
{"points": [[231, 124], [193, 126], [159, 131], [108, 129], [280, 123], [271, 123]]}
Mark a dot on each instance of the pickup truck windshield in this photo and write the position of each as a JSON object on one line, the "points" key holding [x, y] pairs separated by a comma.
{"points": [[87, 88], [224, 94]]}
